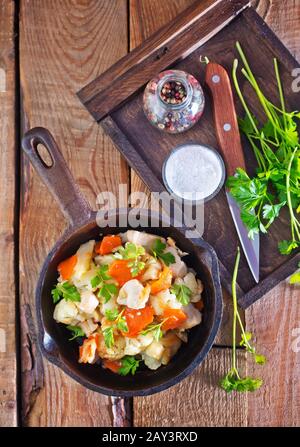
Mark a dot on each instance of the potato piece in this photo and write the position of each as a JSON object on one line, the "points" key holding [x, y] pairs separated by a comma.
{"points": [[152, 270], [133, 346], [142, 238], [155, 350], [150, 362], [88, 327], [84, 282], [171, 344], [65, 312], [179, 268], [133, 294], [110, 305], [163, 300], [84, 256], [116, 352], [195, 285], [194, 317], [145, 340], [88, 302]]}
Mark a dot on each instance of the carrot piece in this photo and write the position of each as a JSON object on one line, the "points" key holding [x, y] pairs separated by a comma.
{"points": [[107, 244], [137, 320], [87, 351], [174, 318], [114, 366], [66, 267], [199, 305], [121, 272], [164, 282]]}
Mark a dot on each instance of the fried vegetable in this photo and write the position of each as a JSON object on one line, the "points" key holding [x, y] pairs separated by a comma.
{"points": [[164, 281], [66, 267], [137, 320], [107, 244]]}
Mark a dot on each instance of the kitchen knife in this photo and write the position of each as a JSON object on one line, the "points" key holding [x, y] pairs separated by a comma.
{"points": [[229, 140]]}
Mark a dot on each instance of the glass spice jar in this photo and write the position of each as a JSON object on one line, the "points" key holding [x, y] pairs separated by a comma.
{"points": [[173, 101]]}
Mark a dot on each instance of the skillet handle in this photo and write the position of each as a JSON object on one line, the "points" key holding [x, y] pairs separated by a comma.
{"points": [[57, 176]]}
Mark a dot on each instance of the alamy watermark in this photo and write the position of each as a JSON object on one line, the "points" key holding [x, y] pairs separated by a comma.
{"points": [[154, 210]]}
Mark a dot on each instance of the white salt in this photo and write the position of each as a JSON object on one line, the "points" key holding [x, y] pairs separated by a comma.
{"points": [[194, 172]]}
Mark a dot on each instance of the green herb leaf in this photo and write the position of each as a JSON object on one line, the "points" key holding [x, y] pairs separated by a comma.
{"points": [[295, 278], [77, 332], [108, 335], [158, 251], [111, 315], [231, 382], [122, 325], [128, 365], [155, 329], [182, 292], [65, 290]]}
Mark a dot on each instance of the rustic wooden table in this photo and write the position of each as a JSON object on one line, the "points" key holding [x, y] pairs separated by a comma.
{"points": [[49, 49]]}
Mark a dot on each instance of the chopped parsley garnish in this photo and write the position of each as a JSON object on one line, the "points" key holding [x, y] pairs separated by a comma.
{"points": [[65, 290], [155, 329], [77, 332], [182, 292], [128, 365], [158, 251], [119, 323], [106, 290], [132, 252]]}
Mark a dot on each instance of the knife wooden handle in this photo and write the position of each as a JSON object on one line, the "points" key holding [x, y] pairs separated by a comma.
{"points": [[226, 123]]}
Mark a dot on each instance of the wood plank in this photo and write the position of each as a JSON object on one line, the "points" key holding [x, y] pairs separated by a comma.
{"points": [[275, 324], [63, 46], [197, 401], [195, 26], [8, 364], [274, 320]]}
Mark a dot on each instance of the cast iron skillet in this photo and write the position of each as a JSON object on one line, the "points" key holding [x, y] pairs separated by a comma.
{"points": [[53, 337]]}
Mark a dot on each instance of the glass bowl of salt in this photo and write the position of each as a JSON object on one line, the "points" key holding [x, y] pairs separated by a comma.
{"points": [[193, 173]]}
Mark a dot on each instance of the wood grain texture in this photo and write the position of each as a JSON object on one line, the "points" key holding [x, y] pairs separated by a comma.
{"points": [[63, 45], [8, 365], [275, 324], [275, 320], [195, 26], [197, 401]]}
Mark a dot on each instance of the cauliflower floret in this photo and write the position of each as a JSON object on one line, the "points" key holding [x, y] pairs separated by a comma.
{"points": [[88, 327], [65, 312], [164, 299], [104, 260], [171, 344], [133, 294], [194, 317], [141, 238], [150, 362], [155, 350], [145, 340], [88, 302], [84, 255], [179, 268], [195, 285], [152, 269], [133, 346], [84, 282]]}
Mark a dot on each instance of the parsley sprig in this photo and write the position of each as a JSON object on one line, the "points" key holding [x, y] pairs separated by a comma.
{"points": [[233, 381], [132, 252], [77, 332], [106, 290], [158, 250], [155, 329], [119, 323], [129, 364], [65, 290], [182, 292], [276, 147]]}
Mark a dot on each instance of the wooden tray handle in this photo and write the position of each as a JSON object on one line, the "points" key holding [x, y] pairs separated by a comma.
{"points": [[226, 123], [56, 176]]}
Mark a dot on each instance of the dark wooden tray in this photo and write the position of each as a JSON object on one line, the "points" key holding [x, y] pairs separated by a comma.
{"points": [[115, 100]]}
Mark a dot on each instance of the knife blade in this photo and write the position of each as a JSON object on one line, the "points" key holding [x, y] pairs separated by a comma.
{"points": [[229, 141]]}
